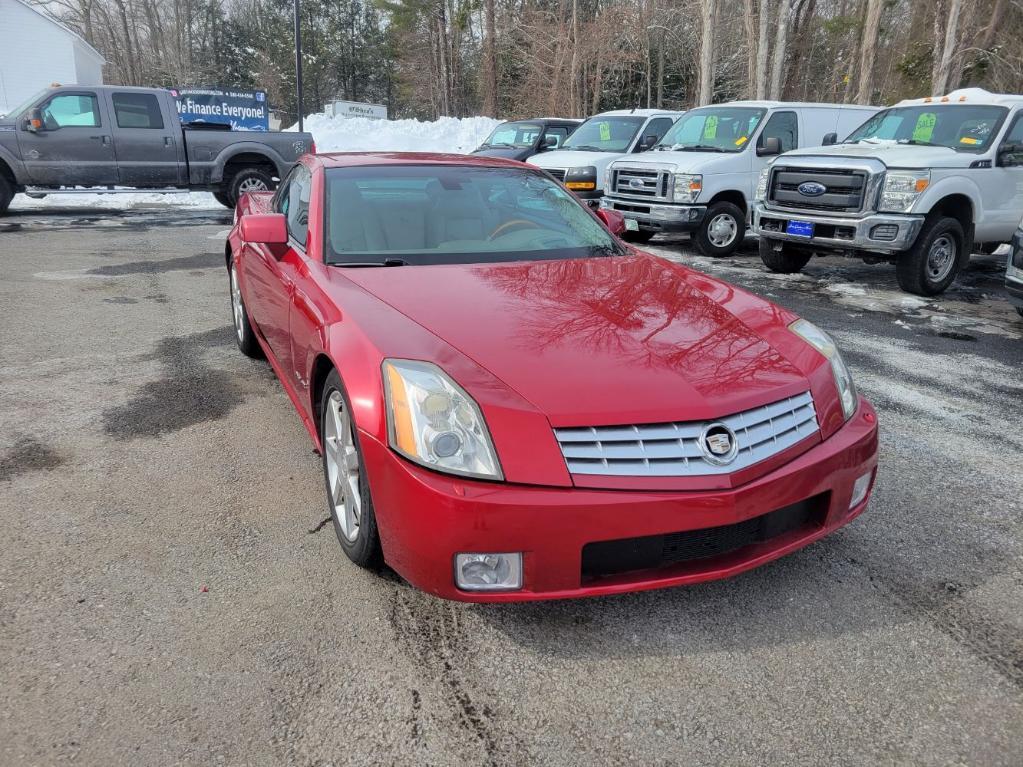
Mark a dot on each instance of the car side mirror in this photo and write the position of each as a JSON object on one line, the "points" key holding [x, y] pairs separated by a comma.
{"points": [[830, 139], [612, 219], [1007, 155], [770, 147], [549, 142], [646, 143], [264, 228], [34, 122]]}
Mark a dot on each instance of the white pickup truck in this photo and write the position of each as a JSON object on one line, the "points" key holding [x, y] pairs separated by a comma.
{"points": [[700, 177], [921, 184], [581, 162]]}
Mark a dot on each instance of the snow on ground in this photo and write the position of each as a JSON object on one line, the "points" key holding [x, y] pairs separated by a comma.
{"points": [[358, 134]]}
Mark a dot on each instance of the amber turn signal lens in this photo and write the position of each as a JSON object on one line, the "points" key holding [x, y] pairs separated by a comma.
{"points": [[582, 186], [403, 434]]}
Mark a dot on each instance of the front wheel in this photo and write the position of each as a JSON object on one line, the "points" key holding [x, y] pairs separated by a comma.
{"points": [[248, 180], [786, 260], [243, 332], [935, 259], [6, 194], [351, 508], [223, 199], [722, 230]]}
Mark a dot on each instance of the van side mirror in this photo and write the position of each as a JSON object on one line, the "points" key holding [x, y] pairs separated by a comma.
{"points": [[830, 139], [646, 142], [264, 228], [550, 141], [612, 219], [770, 147], [1009, 155], [34, 122]]}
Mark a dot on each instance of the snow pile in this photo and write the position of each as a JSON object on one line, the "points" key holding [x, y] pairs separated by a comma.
{"points": [[360, 134], [332, 134]]}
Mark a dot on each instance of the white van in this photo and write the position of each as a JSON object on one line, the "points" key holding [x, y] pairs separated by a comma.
{"points": [[702, 175], [581, 162]]}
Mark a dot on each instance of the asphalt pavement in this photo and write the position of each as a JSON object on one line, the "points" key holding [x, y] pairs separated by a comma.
{"points": [[170, 593]]}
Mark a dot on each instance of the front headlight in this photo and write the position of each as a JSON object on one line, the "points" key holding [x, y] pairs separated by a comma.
{"points": [[761, 193], [901, 190], [687, 187], [432, 421], [822, 342], [581, 179]]}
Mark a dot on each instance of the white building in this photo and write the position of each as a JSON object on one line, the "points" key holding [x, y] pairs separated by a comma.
{"points": [[36, 50]]}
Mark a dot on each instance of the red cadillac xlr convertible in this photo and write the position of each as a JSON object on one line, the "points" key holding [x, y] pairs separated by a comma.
{"points": [[513, 404]]}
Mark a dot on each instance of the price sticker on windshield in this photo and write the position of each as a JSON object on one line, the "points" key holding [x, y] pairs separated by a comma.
{"points": [[924, 128], [605, 131], [710, 128]]}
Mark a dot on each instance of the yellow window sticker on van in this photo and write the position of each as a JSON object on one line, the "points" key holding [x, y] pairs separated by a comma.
{"points": [[741, 140], [605, 131], [925, 126], [710, 128], [968, 140]]}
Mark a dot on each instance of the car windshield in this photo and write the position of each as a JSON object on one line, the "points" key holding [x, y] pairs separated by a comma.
{"points": [[959, 127], [452, 214], [24, 104], [714, 129], [517, 135], [605, 134]]}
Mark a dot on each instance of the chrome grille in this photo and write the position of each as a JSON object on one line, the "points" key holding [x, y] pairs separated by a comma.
{"points": [[844, 189], [640, 183], [558, 173], [673, 449]]}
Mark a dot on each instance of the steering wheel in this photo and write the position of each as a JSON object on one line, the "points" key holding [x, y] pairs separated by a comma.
{"points": [[515, 222]]}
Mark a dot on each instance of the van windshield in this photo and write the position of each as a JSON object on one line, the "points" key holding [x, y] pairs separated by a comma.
{"points": [[955, 126], [412, 215], [517, 135], [714, 129], [605, 134]]}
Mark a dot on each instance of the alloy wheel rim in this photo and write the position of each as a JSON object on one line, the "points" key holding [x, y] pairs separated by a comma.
{"points": [[941, 258], [237, 307], [721, 230], [252, 185], [343, 469]]}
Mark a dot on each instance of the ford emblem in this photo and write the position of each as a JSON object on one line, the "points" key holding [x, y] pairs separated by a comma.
{"points": [[811, 189], [636, 183]]}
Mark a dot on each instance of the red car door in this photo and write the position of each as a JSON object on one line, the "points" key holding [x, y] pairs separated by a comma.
{"points": [[270, 273]]}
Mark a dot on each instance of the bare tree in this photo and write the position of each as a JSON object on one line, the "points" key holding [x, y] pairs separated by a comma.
{"points": [[780, 48], [763, 41], [705, 93], [868, 46], [489, 84], [945, 36]]}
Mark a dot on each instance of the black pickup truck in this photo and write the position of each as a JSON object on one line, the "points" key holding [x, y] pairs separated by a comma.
{"points": [[73, 139]]}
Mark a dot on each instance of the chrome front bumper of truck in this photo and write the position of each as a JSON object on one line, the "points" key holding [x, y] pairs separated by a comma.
{"points": [[658, 217], [880, 232]]}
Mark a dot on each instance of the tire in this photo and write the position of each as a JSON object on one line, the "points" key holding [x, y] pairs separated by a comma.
{"points": [[1019, 311], [935, 259], [248, 180], [243, 332], [788, 260], [6, 194], [722, 230], [640, 237], [223, 199], [344, 476]]}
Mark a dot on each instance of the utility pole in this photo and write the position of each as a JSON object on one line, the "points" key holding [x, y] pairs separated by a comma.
{"points": [[298, 63]]}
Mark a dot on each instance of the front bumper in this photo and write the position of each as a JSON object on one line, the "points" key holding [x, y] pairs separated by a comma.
{"points": [[840, 232], [658, 217], [425, 519]]}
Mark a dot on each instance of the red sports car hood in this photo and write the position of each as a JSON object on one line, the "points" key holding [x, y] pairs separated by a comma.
{"points": [[602, 341]]}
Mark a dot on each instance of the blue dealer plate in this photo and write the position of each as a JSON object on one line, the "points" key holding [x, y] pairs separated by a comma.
{"points": [[799, 228]]}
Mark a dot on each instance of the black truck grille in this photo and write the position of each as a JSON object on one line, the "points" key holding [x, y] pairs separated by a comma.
{"points": [[605, 558], [844, 189], [558, 173]]}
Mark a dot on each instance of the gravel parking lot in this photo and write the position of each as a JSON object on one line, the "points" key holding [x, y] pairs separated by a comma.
{"points": [[171, 593]]}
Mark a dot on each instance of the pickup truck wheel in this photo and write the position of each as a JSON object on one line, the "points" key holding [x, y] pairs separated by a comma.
{"points": [[6, 194], [722, 231], [223, 199], [787, 260], [1019, 311], [933, 262], [344, 472], [248, 180], [243, 332], [640, 236]]}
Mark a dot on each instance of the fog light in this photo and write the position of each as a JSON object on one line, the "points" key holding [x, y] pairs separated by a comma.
{"points": [[884, 232], [860, 488], [488, 572]]}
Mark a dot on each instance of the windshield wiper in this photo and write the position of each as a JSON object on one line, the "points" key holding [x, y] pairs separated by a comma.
{"points": [[367, 264], [697, 148], [586, 148], [918, 142]]}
